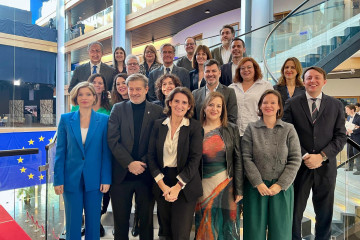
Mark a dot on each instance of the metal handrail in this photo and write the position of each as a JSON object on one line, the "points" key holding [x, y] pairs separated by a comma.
{"points": [[355, 145], [273, 30], [18, 152]]}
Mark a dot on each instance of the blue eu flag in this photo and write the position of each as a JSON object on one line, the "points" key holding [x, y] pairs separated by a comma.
{"points": [[23, 171]]}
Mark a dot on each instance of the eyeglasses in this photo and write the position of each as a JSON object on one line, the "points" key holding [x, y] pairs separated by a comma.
{"points": [[149, 52], [190, 44], [246, 68], [132, 64]]}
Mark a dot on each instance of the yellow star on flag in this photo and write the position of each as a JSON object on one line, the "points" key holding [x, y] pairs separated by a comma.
{"points": [[31, 142], [20, 160], [41, 138], [31, 176], [41, 177], [23, 148], [22, 169], [50, 140]]}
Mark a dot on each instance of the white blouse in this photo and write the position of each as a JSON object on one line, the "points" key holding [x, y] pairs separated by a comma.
{"points": [[170, 147], [84, 132], [247, 102]]}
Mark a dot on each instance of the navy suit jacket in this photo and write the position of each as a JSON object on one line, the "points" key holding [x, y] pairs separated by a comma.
{"points": [[356, 132], [326, 135], [83, 72], [73, 159], [180, 72], [284, 94], [226, 74], [194, 79]]}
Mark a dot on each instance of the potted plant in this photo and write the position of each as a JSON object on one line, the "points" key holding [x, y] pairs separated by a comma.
{"points": [[26, 194]]}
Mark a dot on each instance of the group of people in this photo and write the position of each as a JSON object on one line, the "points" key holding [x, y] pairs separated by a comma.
{"points": [[203, 142]]}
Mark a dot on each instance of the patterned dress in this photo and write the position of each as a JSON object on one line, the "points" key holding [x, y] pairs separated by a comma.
{"points": [[217, 215]]}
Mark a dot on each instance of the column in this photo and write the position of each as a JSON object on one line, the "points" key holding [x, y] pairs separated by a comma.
{"points": [[60, 68], [119, 21]]}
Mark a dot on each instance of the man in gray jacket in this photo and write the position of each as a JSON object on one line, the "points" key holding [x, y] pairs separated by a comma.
{"points": [[212, 75]]}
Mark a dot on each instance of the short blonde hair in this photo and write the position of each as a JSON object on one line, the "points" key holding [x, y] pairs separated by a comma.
{"points": [[75, 91]]}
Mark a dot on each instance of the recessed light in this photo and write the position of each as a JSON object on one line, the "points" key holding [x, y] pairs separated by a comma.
{"points": [[207, 11]]}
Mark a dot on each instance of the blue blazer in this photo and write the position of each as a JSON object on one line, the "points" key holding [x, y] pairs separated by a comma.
{"points": [[73, 159]]}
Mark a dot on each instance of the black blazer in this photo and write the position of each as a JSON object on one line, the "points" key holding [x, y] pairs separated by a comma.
{"points": [[234, 161], [194, 79], [226, 74], [83, 72], [283, 92], [121, 136], [189, 155], [327, 134]]}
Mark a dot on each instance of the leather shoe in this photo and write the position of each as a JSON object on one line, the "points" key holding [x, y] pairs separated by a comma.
{"points": [[357, 173], [348, 169], [83, 231], [102, 230]]}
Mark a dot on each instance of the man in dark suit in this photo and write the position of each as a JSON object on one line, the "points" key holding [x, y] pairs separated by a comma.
{"points": [[129, 129], [186, 61], [228, 70], [353, 132], [167, 52], [212, 74], [83, 72], [223, 53], [320, 123]]}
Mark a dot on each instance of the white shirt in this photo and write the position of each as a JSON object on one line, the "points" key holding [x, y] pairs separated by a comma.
{"points": [[84, 132], [171, 68], [247, 102], [207, 90], [97, 67], [233, 69], [310, 102], [170, 147], [225, 54]]}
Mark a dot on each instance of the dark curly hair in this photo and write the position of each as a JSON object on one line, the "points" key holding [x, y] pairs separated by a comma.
{"points": [[158, 85], [104, 100]]}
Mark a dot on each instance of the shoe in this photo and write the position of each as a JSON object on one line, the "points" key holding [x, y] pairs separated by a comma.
{"points": [[348, 169], [102, 230], [135, 229], [82, 231], [113, 232], [357, 173]]}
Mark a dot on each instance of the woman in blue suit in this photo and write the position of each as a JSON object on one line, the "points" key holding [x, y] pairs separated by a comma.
{"points": [[82, 171]]}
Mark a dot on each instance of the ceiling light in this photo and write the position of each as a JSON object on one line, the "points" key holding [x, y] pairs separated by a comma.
{"points": [[207, 11], [351, 71]]}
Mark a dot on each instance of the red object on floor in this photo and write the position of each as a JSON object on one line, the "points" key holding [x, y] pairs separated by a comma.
{"points": [[9, 229]]}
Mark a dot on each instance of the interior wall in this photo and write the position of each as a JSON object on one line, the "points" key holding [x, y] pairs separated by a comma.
{"points": [[342, 87], [208, 27]]}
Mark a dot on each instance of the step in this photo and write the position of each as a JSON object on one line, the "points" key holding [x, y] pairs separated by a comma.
{"points": [[306, 226], [349, 32], [335, 42], [312, 59], [324, 50]]}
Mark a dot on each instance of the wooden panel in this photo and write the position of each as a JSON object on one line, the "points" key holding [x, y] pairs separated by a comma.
{"points": [[29, 43], [350, 63]]}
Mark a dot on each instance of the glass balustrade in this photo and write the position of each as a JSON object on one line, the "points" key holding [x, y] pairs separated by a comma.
{"points": [[312, 33]]}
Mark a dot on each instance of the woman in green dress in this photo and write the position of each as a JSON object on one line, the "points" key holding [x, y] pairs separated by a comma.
{"points": [[103, 105]]}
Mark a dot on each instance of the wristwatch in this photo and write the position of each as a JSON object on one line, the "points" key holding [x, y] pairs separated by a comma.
{"points": [[324, 157]]}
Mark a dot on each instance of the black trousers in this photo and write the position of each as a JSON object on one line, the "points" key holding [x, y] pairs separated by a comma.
{"points": [[121, 201], [323, 200], [175, 218]]}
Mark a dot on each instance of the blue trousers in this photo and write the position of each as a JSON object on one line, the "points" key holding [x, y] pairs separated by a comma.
{"points": [[75, 202]]}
